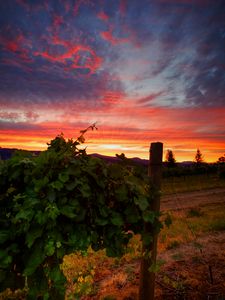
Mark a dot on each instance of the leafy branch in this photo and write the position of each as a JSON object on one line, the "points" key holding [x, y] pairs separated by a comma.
{"points": [[60, 202]]}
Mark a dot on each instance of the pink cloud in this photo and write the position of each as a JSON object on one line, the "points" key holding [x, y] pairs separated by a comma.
{"points": [[9, 116], [123, 7], [103, 16], [112, 98], [74, 53], [18, 45], [57, 20], [13, 44], [67, 6], [149, 98], [31, 116], [109, 37]]}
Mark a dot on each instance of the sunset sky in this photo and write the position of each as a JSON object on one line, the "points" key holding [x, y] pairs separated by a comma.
{"points": [[143, 70]]}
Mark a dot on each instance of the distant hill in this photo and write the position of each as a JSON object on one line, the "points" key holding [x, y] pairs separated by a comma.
{"points": [[114, 159], [7, 153]]}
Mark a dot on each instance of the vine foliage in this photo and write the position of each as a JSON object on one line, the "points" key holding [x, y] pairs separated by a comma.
{"points": [[59, 202]]}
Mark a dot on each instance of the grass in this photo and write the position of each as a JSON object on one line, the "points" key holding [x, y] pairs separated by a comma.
{"points": [[217, 225], [178, 256], [173, 185], [173, 244], [194, 212], [210, 218], [109, 298]]}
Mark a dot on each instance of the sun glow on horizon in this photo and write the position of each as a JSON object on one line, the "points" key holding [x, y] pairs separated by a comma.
{"points": [[110, 148]]}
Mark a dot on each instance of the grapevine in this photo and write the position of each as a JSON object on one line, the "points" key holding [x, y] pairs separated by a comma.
{"points": [[64, 201]]}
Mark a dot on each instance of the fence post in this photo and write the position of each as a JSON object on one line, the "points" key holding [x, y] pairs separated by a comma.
{"points": [[147, 278]]}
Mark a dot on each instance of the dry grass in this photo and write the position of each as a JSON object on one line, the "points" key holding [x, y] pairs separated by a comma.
{"points": [[187, 225], [173, 185]]}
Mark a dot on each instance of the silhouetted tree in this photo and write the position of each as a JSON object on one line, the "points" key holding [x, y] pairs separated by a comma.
{"points": [[221, 166], [221, 160], [198, 158], [170, 159]]}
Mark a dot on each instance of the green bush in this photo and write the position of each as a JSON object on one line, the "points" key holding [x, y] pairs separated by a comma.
{"points": [[59, 202]]}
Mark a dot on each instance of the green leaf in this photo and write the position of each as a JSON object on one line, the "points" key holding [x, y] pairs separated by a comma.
{"points": [[121, 193], [40, 183], [10, 190], [4, 236], [101, 222], [38, 284], [111, 252], [81, 214], [104, 211], [50, 248], [72, 241], [18, 197], [46, 296], [41, 217], [63, 177], [52, 211], [85, 190], [35, 259], [58, 185], [24, 215], [3, 275], [60, 252], [67, 211], [132, 215], [57, 276], [5, 259], [51, 196], [116, 171], [117, 219], [59, 280], [142, 202], [32, 235], [71, 185], [58, 244], [149, 216]]}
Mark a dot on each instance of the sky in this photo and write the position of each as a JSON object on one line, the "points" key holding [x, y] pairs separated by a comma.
{"points": [[143, 70]]}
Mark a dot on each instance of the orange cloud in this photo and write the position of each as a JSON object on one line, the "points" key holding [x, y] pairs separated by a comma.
{"points": [[129, 129]]}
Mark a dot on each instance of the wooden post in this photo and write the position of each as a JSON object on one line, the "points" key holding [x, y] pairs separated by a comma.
{"points": [[147, 278]]}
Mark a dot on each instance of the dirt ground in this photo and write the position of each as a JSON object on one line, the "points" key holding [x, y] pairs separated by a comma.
{"points": [[193, 199], [189, 272]]}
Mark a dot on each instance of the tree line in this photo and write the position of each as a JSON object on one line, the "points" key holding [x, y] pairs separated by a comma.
{"points": [[198, 166], [198, 159]]}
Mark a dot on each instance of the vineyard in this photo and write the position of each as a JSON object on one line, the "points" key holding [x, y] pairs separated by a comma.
{"points": [[60, 202]]}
